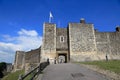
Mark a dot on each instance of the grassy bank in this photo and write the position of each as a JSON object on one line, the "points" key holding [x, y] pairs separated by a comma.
{"points": [[112, 65], [15, 75]]}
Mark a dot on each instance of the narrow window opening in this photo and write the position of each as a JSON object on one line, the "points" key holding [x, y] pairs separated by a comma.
{"points": [[61, 38]]}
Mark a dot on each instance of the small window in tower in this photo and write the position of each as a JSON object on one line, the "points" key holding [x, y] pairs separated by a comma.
{"points": [[61, 38]]}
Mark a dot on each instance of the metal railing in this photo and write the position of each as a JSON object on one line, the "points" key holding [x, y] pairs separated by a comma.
{"points": [[35, 71]]}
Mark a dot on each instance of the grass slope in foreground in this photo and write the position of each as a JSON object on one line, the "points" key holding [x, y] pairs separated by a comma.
{"points": [[15, 75], [112, 65]]}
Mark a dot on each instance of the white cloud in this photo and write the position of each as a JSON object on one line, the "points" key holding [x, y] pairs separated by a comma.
{"points": [[26, 40], [6, 56], [28, 33]]}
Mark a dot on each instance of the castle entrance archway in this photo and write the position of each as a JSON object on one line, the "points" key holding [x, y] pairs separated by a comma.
{"points": [[62, 58]]}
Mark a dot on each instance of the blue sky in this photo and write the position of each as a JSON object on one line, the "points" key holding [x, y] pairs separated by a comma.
{"points": [[21, 21]]}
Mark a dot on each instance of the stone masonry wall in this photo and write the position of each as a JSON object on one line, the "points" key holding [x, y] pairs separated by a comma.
{"points": [[61, 45], [108, 43], [49, 41], [82, 41], [115, 43], [19, 60], [103, 43], [32, 59], [33, 56]]}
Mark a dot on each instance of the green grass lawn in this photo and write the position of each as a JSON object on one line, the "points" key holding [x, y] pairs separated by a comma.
{"points": [[112, 65], [15, 75]]}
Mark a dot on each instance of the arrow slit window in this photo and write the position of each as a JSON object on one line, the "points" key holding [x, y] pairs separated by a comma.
{"points": [[61, 39]]}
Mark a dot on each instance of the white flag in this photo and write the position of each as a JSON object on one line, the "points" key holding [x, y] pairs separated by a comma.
{"points": [[51, 16]]}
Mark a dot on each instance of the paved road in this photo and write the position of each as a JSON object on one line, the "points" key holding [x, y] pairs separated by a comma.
{"points": [[70, 71]]}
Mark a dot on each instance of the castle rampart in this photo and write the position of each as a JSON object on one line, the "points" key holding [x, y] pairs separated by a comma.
{"points": [[77, 42]]}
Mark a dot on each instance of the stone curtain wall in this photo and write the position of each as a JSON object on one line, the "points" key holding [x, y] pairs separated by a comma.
{"points": [[108, 43], [24, 58], [33, 56], [32, 59], [115, 43], [81, 43], [103, 43], [61, 45], [19, 60]]}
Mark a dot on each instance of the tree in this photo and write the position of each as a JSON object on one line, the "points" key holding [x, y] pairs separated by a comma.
{"points": [[2, 68]]}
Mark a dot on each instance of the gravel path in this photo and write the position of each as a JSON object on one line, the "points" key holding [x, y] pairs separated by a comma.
{"points": [[71, 71]]}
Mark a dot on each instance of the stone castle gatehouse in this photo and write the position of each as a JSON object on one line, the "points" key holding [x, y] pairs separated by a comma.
{"points": [[78, 42]]}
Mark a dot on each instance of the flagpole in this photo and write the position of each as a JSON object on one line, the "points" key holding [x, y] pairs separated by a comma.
{"points": [[49, 19]]}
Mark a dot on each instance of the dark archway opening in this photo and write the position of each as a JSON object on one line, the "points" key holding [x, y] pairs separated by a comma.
{"points": [[62, 58]]}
